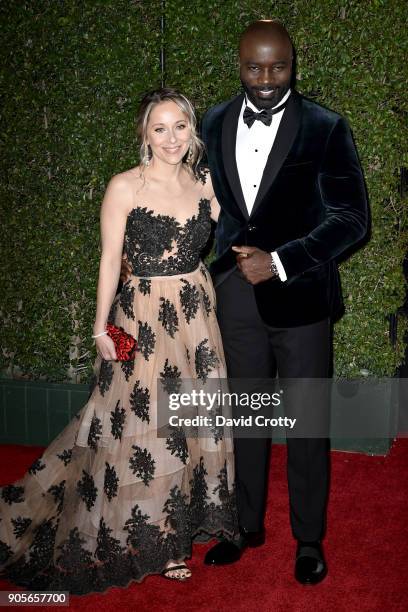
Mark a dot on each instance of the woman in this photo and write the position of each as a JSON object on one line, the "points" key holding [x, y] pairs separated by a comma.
{"points": [[110, 501]]}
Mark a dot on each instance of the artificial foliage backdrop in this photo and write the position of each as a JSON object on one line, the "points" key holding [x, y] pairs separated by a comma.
{"points": [[72, 77]]}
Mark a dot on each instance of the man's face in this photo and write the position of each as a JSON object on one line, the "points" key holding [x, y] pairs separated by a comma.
{"points": [[265, 69]]}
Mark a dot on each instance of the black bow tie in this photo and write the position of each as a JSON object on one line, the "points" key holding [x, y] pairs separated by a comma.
{"points": [[265, 115]]}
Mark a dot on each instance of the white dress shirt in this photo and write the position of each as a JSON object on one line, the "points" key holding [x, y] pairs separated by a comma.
{"points": [[252, 149]]}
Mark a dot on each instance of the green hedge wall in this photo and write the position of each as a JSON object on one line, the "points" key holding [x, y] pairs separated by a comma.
{"points": [[74, 73]]}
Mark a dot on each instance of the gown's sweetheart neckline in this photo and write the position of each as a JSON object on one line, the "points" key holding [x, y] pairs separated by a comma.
{"points": [[163, 216]]}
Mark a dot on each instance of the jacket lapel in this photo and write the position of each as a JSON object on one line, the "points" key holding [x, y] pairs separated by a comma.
{"points": [[285, 137], [229, 138]]}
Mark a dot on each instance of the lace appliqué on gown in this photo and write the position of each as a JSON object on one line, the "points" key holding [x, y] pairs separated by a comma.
{"points": [[110, 501]]}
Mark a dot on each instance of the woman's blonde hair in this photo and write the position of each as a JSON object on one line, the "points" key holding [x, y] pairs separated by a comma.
{"points": [[149, 101]]}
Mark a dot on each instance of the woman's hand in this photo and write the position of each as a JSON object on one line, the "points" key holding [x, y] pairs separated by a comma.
{"points": [[125, 269], [254, 264], [106, 348]]}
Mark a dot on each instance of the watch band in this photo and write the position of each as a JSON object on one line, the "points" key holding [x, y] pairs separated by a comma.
{"points": [[273, 268]]}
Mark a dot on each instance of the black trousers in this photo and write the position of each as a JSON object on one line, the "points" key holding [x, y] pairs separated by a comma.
{"points": [[254, 350]]}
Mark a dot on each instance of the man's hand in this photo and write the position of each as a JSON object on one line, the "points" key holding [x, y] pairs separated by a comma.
{"points": [[125, 270], [254, 264]]}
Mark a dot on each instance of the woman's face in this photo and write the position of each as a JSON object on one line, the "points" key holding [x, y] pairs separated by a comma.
{"points": [[168, 132]]}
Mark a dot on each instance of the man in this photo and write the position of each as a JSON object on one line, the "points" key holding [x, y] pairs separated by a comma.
{"points": [[286, 174]]}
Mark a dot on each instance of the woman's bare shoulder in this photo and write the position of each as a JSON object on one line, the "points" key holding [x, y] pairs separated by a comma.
{"points": [[122, 187], [131, 178]]}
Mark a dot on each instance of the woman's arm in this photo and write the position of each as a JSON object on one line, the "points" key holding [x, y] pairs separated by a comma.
{"points": [[209, 193], [215, 209], [115, 206]]}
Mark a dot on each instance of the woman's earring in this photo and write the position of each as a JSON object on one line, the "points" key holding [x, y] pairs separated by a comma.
{"points": [[147, 155], [190, 155]]}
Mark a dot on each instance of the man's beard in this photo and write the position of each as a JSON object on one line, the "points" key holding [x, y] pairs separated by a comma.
{"points": [[262, 103]]}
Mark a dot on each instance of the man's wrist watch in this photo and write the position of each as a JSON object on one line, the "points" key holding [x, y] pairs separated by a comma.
{"points": [[273, 268]]}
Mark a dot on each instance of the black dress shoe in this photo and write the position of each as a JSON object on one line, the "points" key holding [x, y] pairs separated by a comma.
{"points": [[253, 539], [310, 566], [223, 553], [228, 551]]}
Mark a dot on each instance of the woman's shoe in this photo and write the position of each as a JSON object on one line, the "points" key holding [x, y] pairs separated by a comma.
{"points": [[181, 572]]}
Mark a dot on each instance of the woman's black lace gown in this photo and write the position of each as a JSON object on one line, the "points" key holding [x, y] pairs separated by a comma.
{"points": [[109, 501]]}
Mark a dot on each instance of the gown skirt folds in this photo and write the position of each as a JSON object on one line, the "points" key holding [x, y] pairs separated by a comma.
{"points": [[110, 501]]}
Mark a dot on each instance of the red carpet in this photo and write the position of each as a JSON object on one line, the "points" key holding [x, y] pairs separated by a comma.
{"points": [[366, 549]]}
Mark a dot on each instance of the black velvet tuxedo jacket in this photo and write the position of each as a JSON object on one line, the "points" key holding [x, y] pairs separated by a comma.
{"points": [[311, 207]]}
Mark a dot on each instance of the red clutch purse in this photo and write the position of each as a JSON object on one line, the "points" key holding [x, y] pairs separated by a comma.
{"points": [[125, 344]]}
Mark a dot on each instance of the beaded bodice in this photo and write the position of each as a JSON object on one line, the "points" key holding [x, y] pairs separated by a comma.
{"points": [[159, 245]]}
